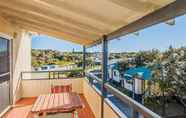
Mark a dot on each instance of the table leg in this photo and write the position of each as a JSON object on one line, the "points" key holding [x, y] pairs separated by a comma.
{"points": [[36, 115], [75, 114], [44, 115]]}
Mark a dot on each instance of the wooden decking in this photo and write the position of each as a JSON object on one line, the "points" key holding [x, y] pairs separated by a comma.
{"points": [[23, 108]]}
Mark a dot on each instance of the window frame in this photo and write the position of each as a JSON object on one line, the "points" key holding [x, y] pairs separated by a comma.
{"points": [[10, 73]]}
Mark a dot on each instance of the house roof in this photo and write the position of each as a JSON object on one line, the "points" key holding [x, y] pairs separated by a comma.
{"points": [[143, 72], [84, 21]]}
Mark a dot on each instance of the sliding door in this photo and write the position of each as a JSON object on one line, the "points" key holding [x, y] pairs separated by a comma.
{"points": [[4, 73]]}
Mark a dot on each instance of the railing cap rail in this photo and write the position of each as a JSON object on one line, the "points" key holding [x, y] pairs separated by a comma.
{"points": [[51, 71]]}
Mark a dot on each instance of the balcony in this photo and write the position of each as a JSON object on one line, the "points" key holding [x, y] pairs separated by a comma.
{"points": [[42, 82], [87, 23], [116, 104], [42, 85]]}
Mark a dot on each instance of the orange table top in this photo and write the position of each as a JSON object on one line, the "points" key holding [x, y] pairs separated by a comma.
{"points": [[57, 102]]}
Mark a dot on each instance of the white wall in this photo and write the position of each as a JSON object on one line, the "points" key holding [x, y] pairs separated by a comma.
{"points": [[93, 98], [33, 88], [94, 101], [138, 86], [21, 59], [128, 85], [116, 76]]}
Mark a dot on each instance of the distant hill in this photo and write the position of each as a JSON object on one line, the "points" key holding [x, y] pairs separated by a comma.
{"points": [[47, 57]]}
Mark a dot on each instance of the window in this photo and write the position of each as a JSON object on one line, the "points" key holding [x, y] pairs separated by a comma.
{"points": [[115, 74], [4, 74], [4, 56]]}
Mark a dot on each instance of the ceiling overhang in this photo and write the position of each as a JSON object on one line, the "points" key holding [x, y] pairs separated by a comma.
{"points": [[86, 21]]}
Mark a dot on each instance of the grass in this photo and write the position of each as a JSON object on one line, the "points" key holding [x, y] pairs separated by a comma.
{"points": [[64, 63]]}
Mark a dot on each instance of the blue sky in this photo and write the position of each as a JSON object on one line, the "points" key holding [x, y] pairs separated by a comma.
{"points": [[160, 37]]}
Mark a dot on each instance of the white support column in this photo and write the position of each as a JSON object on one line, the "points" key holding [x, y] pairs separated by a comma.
{"points": [[21, 60]]}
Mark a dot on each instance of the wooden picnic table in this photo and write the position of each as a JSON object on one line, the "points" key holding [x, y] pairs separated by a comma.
{"points": [[58, 102]]}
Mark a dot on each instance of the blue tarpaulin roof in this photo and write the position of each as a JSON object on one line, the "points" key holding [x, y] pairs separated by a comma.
{"points": [[145, 73]]}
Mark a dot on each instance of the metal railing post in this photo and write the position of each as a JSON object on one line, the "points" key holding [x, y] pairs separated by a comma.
{"points": [[134, 113], [49, 75], [58, 75], [84, 60], [104, 72], [54, 76], [21, 75]]}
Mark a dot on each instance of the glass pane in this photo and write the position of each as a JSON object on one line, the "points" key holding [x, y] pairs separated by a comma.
{"points": [[4, 74], [4, 56], [4, 91]]}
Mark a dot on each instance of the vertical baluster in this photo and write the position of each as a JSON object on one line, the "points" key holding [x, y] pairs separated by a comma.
{"points": [[54, 75], [58, 74], [134, 113], [49, 75]]}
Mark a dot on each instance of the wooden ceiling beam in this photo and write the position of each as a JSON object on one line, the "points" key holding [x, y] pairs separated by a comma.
{"points": [[83, 12], [136, 5], [33, 7], [170, 11], [65, 13], [18, 22], [52, 25], [53, 33]]}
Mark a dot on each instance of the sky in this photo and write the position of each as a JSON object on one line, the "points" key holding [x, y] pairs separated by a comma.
{"points": [[160, 37]]}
